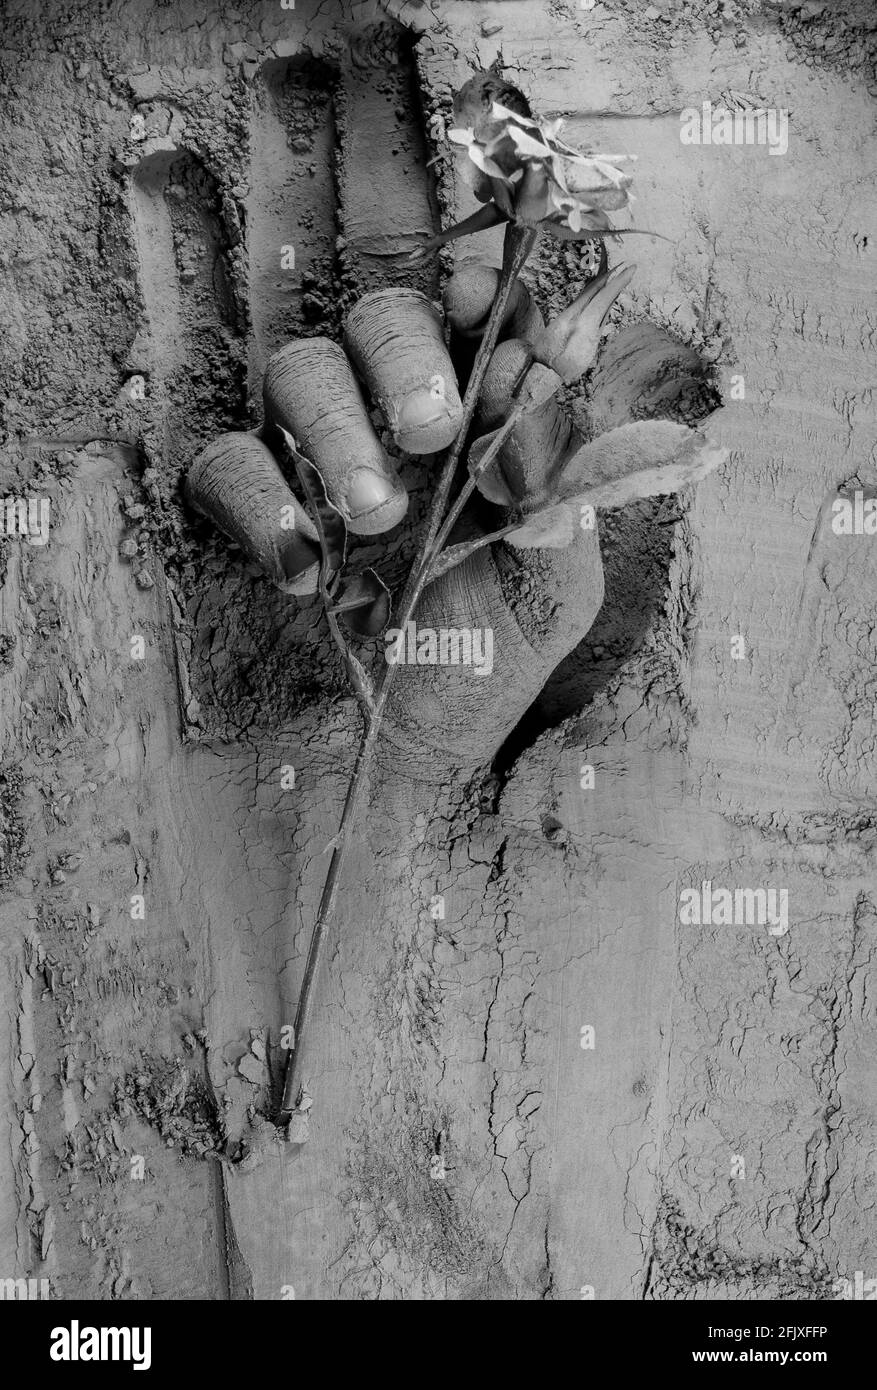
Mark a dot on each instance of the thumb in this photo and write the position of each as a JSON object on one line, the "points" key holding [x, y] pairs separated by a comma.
{"points": [[485, 638], [489, 633]]}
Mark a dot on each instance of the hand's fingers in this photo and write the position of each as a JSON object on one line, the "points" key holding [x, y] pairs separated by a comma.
{"points": [[311, 392], [542, 437], [567, 346], [469, 296], [395, 340], [237, 483]]}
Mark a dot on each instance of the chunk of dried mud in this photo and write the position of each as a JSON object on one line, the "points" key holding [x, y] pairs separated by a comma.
{"points": [[12, 833], [408, 1208], [176, 1102], [687, 1262]]}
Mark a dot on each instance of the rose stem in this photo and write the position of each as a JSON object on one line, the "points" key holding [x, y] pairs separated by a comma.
{"points": [[519, 242]]}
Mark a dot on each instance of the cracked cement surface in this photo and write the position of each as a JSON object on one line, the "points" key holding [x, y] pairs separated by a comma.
{"points": [[448, 1041]]}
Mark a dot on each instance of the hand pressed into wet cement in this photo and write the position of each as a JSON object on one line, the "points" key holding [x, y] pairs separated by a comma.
{"points": [[489, 629], [487, 633], [507, 576]]}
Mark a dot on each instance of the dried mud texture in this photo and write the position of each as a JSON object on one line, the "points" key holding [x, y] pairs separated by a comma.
{"points": [[293, 143], [12, 831], [461, 1142]]}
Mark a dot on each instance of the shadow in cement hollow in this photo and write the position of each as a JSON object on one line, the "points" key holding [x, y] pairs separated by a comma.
{"points": [[642, 373]]}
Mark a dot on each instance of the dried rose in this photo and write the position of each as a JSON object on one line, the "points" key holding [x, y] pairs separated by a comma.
{"points": [[521, 165]]}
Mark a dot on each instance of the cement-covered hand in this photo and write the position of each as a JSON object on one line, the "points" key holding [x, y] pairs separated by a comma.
{"points": [[520, 610], [488, 633]]}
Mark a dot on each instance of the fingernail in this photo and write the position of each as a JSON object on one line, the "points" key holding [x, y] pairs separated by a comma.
{"points": [[367, 491], [426, 423], [395, 339]]}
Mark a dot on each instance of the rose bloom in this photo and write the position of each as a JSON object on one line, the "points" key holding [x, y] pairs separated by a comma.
{"points": [[535, 178]]}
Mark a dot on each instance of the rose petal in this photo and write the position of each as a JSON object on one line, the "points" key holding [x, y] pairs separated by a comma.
{"points": [[533, 202], [608, 199], [503, 113], [526, 145], [487, 166], [585, 178], [591, 222], [534, 175]]}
